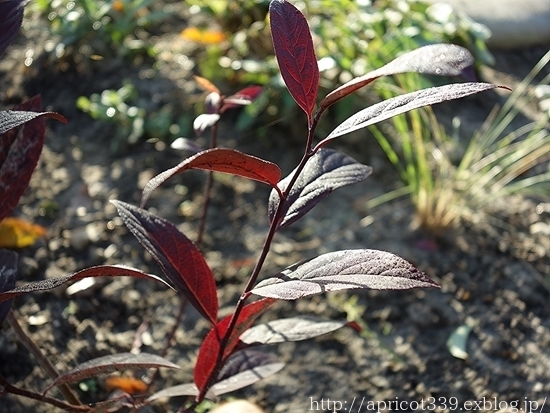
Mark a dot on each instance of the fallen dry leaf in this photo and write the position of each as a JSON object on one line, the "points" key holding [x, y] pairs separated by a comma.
{"points": [[129, 385], [203, 36], [18, 233]]}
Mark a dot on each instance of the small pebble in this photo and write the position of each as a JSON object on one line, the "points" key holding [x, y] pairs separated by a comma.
{"points": [[237, 406]]}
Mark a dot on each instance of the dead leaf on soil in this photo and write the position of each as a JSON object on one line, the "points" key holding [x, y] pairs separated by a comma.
{"points": [[18, 233]]}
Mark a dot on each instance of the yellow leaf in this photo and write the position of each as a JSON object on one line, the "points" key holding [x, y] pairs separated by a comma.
{"points": [[203, 36], [17, 233]]}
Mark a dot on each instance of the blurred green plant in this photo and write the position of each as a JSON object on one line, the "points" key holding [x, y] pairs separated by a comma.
{"points": [[448, 184], [352, 37], [98, 28], [127, 111]]}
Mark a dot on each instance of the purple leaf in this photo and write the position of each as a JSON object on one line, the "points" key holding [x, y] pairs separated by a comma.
{"points": [[342, 270], [219, 160], [324, 172], [10, 119], [240, 370], [108, 364], [8, 276], [290, 329], [11, 17], [244, 368], [404, 103], [97, 271], [180, 260], [436, 59], [21, 143], [293, 47], [187, 389]]}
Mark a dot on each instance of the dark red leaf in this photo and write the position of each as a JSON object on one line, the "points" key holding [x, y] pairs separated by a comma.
{"points": [[436, 59], [293, 47], [244, 368], [20, 148], [180, 260], [211, 346], [404, 103], [242, 97], [108, 364], [290, 329], [8, 276], [324, 172], [219, 160], [11, 17], [97, 271], [342, 270]]}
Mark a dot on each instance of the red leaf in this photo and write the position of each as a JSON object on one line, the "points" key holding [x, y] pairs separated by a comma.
{"points": [[211, 346], [108, 364], [293, 47], [21, 143], [97, 271], [243, 97], [219, 160], [436, 59], [344, 270], [8, 272], [180, 260]]}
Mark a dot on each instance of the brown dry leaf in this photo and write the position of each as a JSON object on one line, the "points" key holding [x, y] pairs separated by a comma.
{"points": [[207, 85], [18, 233]]}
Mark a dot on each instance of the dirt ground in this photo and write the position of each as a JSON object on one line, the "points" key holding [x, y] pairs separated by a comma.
{"points": [[496, 282]]}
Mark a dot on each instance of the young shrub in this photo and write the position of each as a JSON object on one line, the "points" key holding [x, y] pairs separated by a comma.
{"points": [[227, 358]]}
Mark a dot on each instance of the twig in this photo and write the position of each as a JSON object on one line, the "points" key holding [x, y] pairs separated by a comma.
{"points": [[9, 388], [42, 359]]}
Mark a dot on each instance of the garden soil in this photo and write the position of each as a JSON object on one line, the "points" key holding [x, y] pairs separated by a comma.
{"points": [[493, 280]]}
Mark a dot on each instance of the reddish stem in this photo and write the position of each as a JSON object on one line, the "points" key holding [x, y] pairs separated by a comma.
{"points": [[308, 153], [9, 388]]}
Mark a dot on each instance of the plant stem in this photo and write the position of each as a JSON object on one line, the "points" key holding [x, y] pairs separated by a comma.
{"points": [[308, 153], [208, 187], [9, 388], [171, 334], [41, 358]]}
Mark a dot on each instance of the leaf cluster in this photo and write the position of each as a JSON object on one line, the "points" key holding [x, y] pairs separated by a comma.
{"points": [[229, 356], [85, 28]]}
